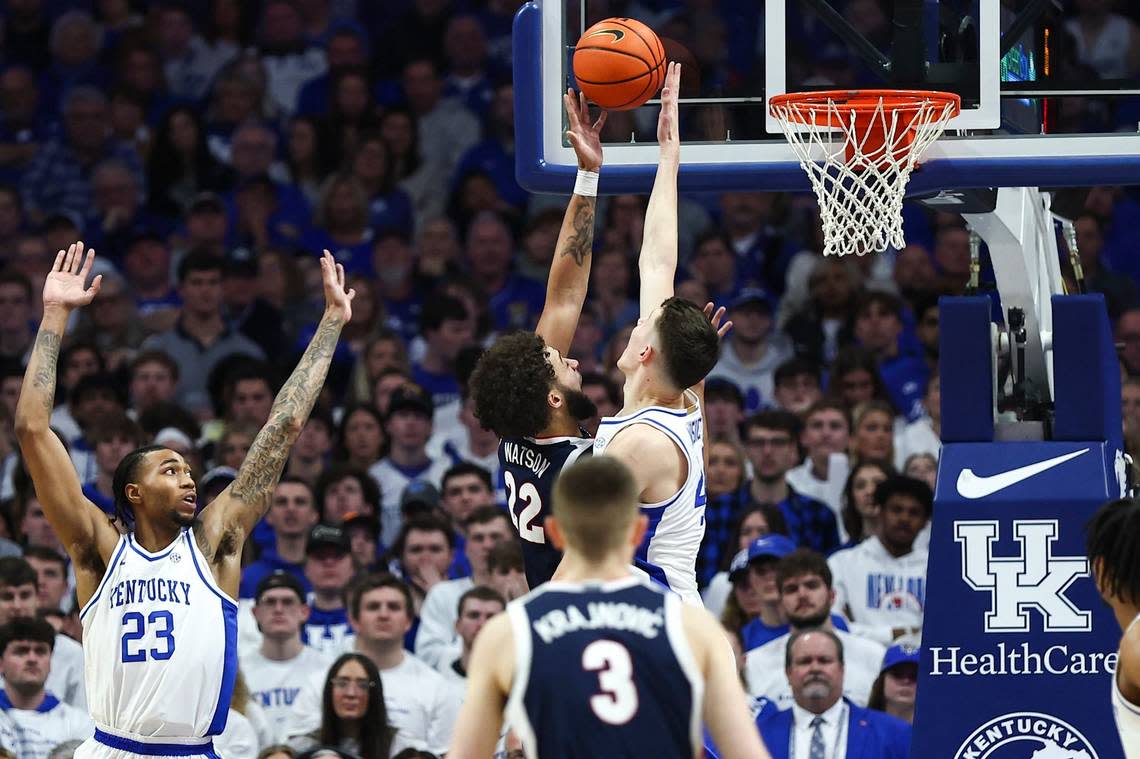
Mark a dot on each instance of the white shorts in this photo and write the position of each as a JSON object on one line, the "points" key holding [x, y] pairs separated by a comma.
{"points": [[106, 746]]}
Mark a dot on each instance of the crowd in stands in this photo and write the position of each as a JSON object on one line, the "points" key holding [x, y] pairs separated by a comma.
{"points": [[210, 149]]}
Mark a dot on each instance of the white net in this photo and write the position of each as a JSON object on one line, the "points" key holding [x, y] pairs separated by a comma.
{"points": [[859, 156]]}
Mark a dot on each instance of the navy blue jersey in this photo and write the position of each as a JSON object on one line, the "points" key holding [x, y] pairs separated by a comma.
{"points": [[529, 468], [603, 669]]}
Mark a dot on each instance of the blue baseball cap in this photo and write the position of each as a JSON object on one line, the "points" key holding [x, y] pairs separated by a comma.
{"points": [[900, 653], [752, 295], [774, 546]]}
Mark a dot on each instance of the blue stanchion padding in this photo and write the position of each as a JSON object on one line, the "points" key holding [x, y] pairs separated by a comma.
{"points": [[1086, 371], [1018, 650], [966, 366]]}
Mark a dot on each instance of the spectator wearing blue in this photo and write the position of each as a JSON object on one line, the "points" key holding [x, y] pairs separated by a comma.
{"points": [[59, 176], [341, 224], [753, 350], [22, 124], [879, 329], [770, 441], [758, 564], [328, 568], [447, 330], [894, 690], [292, 514], [514, 300], [754, 569], [822, 724], [347, 46], [495, 155], [371, 163], [714, 264]]}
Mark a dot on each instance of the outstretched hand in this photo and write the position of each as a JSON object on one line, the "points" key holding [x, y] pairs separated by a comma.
{"points": [[583, 136], [668, 131], [337, 300], [64, 286], [716, 318]]}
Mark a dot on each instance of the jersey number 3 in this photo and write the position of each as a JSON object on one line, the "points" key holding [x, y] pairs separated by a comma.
{"points": [[524, 522], [617, 703], [134, 628]]}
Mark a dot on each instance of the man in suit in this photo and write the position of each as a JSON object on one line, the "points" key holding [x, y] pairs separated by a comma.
{"points": [[821, 723]]}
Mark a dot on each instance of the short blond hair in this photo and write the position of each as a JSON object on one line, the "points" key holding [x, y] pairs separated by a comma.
{"points": [[595, 502]]}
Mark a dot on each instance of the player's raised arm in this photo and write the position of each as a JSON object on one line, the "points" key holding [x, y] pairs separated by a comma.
{"points": [[80, 524], [246, 499], [658, 261], [489, 676], [570, 269]]}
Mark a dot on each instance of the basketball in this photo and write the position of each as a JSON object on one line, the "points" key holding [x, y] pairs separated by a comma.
{"points": [[619, 63]]}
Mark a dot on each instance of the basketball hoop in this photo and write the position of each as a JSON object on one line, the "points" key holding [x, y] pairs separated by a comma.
{"points": [[858, 148]]}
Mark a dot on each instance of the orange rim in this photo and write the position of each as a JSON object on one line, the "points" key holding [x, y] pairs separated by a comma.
{"points": [[860, 101]]}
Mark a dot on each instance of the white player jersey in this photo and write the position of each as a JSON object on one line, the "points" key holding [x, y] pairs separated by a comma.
{"points": [[676, 525], [160, 645], [766, 676], [38, 731], [882, 591], [1127, 716], [274, 684]]}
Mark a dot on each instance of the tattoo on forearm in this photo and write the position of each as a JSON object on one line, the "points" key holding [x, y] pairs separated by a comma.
{"points": [[45, 357], [270, 450], [581, 240]]}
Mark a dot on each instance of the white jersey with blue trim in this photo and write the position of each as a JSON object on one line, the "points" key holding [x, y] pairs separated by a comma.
{"points": [[1127, 715], [160, 645], [668, 554]]}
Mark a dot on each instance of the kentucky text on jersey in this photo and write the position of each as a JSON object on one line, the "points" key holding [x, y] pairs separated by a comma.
{"points": [[886, 591], [525, 457], [149, 591], [615, 616]]}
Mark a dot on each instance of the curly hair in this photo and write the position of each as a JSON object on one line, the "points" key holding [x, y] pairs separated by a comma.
{"points": [[510, 384]]}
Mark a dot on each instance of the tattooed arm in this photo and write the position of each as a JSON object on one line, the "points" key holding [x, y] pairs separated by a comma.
{"points": [[82, 527], [570, 270], [233, 514]]}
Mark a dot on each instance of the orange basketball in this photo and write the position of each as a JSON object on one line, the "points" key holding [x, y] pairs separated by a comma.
{"points": [[619, 63]]}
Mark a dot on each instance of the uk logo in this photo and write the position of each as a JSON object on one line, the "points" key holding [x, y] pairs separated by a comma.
{"points": [[1034, 581]]}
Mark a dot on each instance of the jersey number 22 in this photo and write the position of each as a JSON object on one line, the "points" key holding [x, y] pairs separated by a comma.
{"points": [[528, 494]]}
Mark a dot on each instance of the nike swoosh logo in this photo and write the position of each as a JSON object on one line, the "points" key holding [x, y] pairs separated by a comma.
{"points": [[972, 486], [617, 33]]}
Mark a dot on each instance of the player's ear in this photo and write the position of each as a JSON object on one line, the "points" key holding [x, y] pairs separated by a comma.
{"points": [[554, 532], [554, 399], [646, 353], [640, 526], [133, 493]]}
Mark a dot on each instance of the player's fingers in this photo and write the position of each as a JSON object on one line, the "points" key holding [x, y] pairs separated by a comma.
{"points": [[95, 285], [571, 105], [572, 138], [88, 261], [58, 261], [340, 275], [724, 328], [68, 258], [601, 121], [351, 294], [584, 105]]}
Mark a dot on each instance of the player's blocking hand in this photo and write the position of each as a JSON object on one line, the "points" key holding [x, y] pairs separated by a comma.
{"points": [[338, 301], [64, 286], [668, 131], [716, 318], [583, 136]]}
